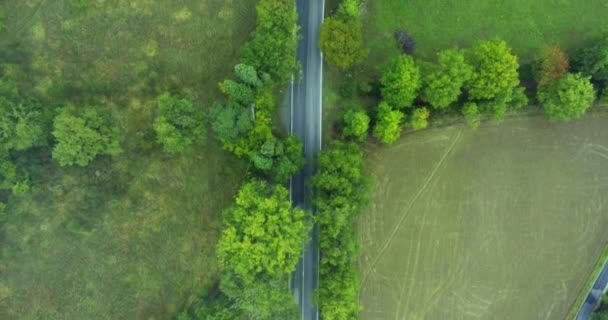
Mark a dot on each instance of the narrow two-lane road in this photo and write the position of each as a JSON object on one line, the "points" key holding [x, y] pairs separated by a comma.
{"points": [[305, 121]]}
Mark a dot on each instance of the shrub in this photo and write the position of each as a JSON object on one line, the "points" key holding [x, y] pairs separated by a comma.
{"points": [[406, 42], [388, 125], [178, 124], [518, 99], [400, 82], [342, 42], [568, 98], [551, 64], [82, 135], [419, 118], [495, 70], [471, 114], [592, 60], [356, 124], [442, 86]]}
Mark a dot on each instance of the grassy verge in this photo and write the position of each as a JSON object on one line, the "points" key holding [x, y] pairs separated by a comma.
{"points": [[589, 284]]}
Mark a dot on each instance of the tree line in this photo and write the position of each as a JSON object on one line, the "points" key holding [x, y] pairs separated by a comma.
{"points": [[263, 235], [479, 82]]}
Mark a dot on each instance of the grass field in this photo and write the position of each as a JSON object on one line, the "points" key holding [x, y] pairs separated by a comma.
{"points": [[505, 222], [133, 237], [439, 24]]}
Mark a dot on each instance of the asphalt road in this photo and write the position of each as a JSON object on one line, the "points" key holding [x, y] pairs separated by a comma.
{"points": [[594, 296], [305, 121]]}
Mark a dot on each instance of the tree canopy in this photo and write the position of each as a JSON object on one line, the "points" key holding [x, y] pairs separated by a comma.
{"points": [[568, 98], [279, 159], [82, 135], [259, 247], [400, 82], [356, 124], [495, 70], [272, 48], [442, 85], [550, 64], [179, 124], [341, 190], [342, 42], [388, 124]]}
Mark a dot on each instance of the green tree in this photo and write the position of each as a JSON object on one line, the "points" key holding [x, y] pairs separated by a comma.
{"points": [[567, 98], [82, 135], [400, 82], [237, 91], [495, 70], [22, 124], [356, 124], [342, 42], [259, 248], [443, 84], [592, 60], [349, 9], [265, 299], [179, 124], [230, 121], [248, 75], [341, 187], [272, 48], [12, 177], [550, 64], [280, 159], [388, 125], [263, 233], [341, 190], [471, 114], [419, 117]]}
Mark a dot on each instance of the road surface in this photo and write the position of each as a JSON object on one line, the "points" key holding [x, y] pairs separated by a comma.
{"points": [[305, 121], [594, 296]]}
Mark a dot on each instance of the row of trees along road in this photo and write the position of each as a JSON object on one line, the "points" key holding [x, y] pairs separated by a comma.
{"points": [[262, 236]]}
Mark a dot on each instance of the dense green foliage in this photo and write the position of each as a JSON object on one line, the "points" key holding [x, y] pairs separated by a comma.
{"points": [[341, 189], [388, 124], [418, 119], [23, 125], [272, 48], [179, 124], [341, 41], [400, 82], [259, 248], [567, 98], [550, 64], [592, 60], [442, 85], [83, 134], [279, 159], [495, 70], [356, 125]]}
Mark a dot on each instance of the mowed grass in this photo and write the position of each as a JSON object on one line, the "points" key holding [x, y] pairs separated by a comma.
{"points": [[503, 222], [440, 24], [131, 237]]}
